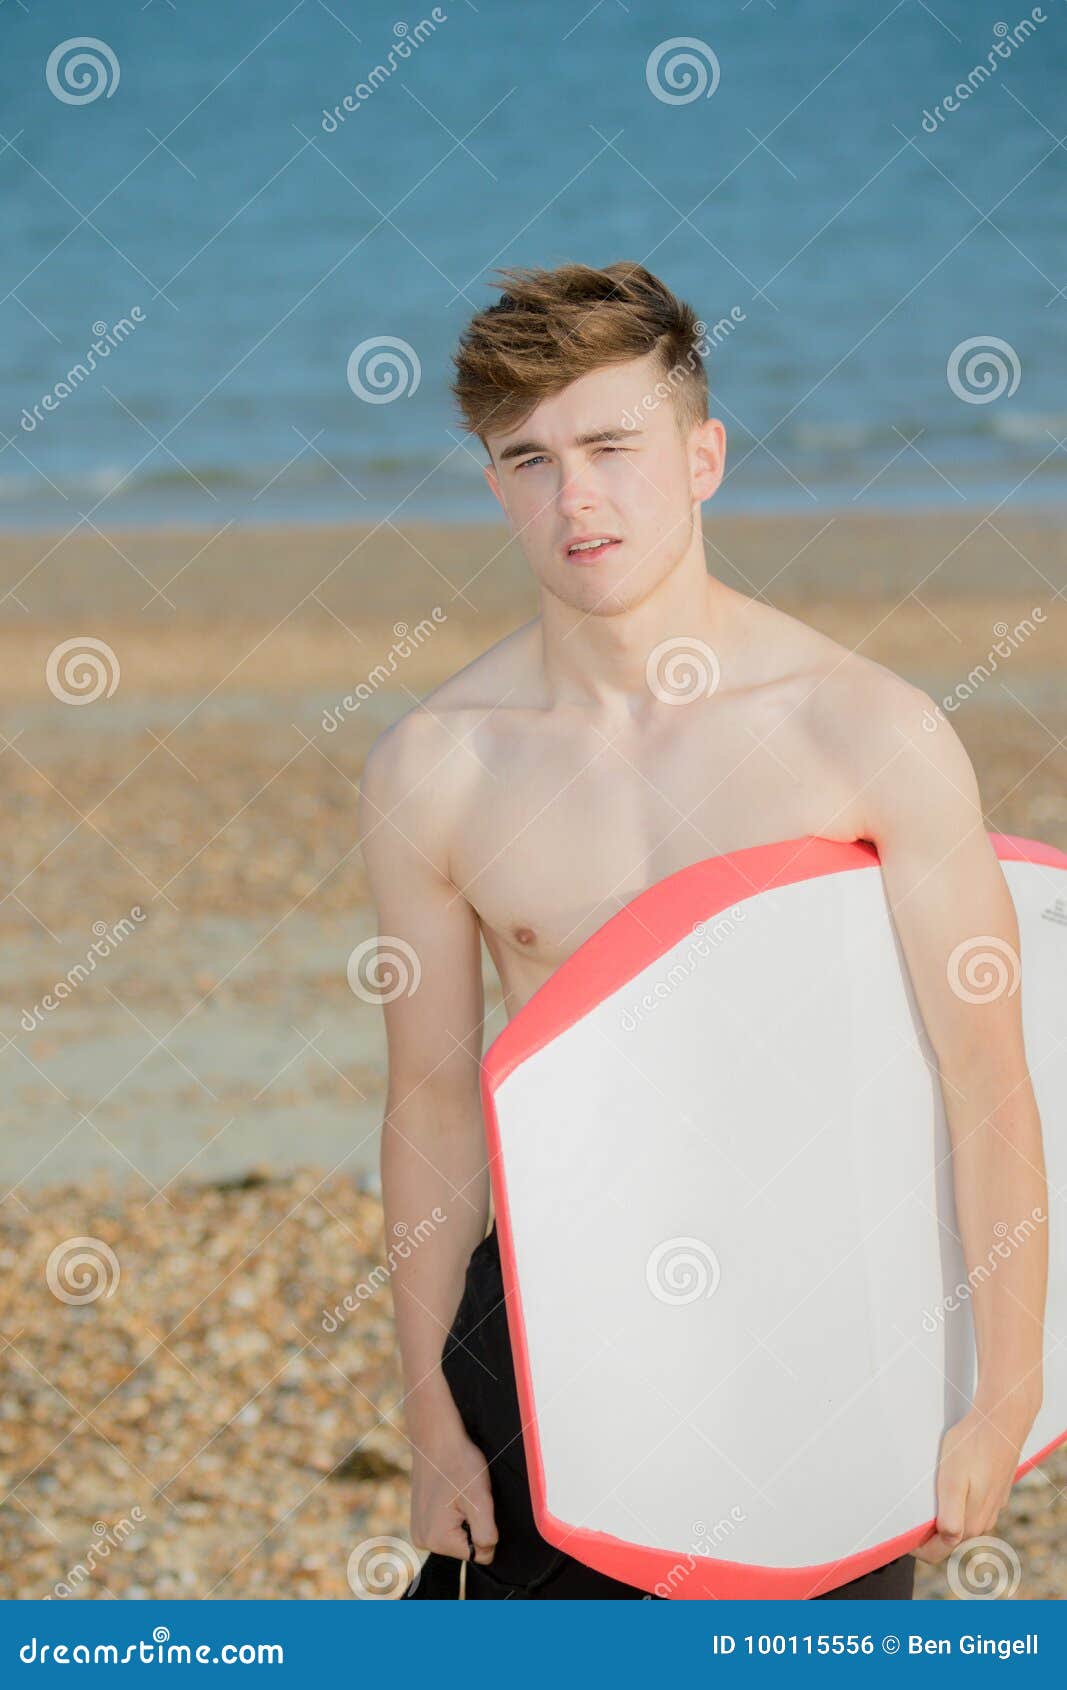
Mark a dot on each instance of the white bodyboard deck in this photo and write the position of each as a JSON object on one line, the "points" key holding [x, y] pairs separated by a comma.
{"points": [[721, 1170]]}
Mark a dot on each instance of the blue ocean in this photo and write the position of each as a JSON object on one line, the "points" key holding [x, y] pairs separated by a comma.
{"points": [[241, 239]]}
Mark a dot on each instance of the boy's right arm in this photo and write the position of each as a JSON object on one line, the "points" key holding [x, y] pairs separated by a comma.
{"points": [[433, 1144]]}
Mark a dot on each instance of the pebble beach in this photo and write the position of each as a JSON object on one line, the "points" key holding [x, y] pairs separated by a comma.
{"points": [[203, 1098]]}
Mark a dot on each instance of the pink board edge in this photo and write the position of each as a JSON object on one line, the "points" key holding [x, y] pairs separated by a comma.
{"points": [[629, 941]]}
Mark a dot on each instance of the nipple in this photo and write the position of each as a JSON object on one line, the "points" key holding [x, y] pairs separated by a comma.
{"points": [[525, 935]]}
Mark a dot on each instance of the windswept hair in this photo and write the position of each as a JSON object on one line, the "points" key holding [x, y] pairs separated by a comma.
{"points": [[551, 326]]}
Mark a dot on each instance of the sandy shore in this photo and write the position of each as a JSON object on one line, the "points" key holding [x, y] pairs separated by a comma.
{"points": [[220, 1036], [207, 793]]}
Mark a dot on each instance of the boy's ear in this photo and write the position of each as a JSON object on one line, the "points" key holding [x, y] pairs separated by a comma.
{"points": [[707, 457]]}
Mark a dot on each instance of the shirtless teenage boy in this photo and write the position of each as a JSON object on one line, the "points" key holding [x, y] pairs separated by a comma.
{"points": [[549, 782]]}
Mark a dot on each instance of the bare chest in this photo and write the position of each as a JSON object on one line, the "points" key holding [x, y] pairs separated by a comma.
{"points": [[553, 846]]}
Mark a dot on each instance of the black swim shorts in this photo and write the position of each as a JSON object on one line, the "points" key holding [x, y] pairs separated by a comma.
{"points": [[477, 1364]]}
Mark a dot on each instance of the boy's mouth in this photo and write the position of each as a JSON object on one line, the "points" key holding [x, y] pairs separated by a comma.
{"points": [[589, 548]]}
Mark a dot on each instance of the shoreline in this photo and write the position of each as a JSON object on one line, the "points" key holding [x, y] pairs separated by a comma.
{"points": [[1055, 506]]}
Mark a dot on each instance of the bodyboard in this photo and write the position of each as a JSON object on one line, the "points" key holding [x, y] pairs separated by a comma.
{"points": [[738, 1306]]}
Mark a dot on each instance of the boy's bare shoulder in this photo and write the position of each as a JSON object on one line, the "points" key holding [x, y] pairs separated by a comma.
{"points": [[427, 757], [852, 695], [790, 652], [885, 734]]}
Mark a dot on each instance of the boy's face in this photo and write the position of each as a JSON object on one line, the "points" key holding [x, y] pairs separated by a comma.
{"points": [[575, 470]]}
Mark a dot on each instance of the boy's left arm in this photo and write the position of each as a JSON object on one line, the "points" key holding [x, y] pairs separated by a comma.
{"points": [[957, 925]]}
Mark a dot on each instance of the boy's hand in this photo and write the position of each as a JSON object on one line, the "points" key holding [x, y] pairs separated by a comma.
{"points": [[978, 1463], [450, 1485]]}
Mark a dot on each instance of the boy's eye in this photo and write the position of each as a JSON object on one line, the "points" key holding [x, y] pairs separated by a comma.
{"points": [[540, 458]]}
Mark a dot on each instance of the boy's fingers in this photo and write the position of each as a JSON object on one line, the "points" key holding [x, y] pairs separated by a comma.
{"points": [[951, 1513], [454, 1541], [484, 1544], [932, 1551], [481, 1528]]}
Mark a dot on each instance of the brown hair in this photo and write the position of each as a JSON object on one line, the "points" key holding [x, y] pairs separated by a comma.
{"points": [[551, 326]]}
